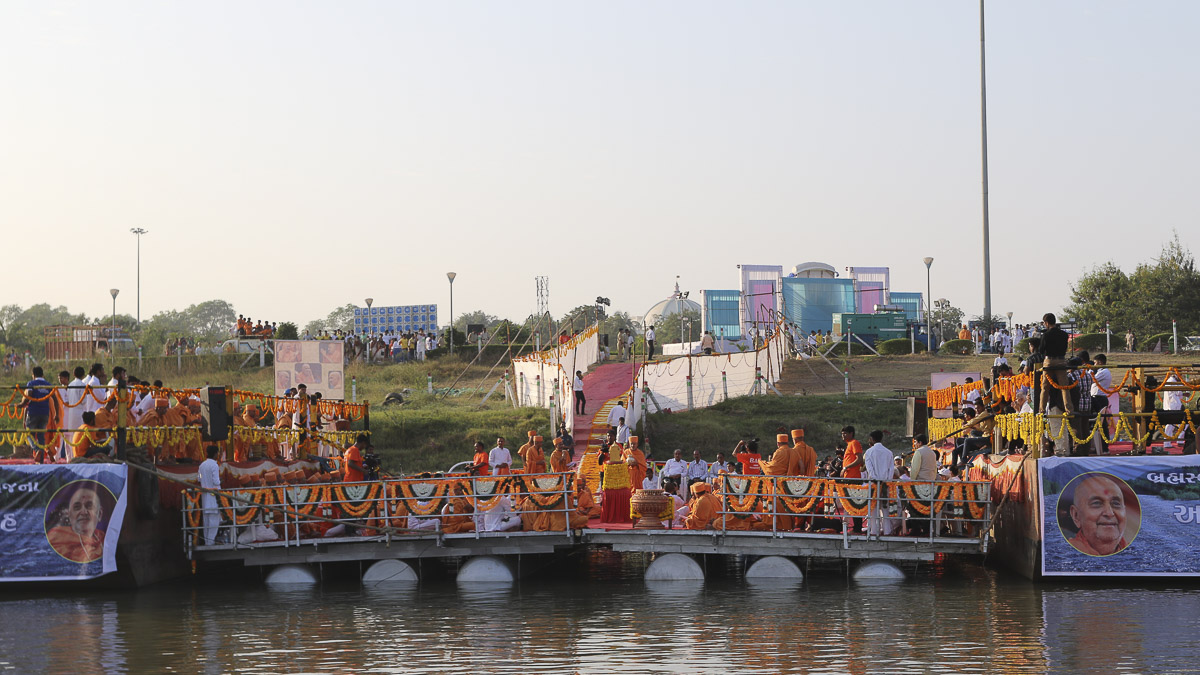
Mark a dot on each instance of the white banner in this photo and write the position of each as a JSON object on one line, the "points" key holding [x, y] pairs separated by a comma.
{"points": [[547, 376]]}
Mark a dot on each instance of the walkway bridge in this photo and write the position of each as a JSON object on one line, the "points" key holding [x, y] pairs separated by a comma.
{"points": [[403, 521]]}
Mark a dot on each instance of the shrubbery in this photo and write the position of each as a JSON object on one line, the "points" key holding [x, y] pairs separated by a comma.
{"points": [[960, 347], [898, 347]]}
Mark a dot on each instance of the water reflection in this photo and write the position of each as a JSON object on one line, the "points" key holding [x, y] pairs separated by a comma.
{"points": [[966, 620]]}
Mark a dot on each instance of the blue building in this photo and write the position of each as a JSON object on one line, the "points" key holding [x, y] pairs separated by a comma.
{"points": [[911, 304], [721, 311], [810, 303]]}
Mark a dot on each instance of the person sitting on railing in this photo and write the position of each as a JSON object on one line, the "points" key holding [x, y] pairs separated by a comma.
{"points": [[86, 441], [704, 509], [458, 515]]}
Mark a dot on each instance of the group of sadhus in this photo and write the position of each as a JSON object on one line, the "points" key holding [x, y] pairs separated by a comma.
{"points": [[247, 327]]}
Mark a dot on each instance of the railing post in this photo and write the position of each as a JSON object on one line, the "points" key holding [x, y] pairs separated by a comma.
{"points": [[1175, 335], [353, 389], [178, 361], [429, 383], [724, 387], [691, 406], [262, 356]]}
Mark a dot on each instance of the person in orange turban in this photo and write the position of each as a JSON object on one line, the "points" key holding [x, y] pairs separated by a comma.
{"points": [[558, 458], [535, 457], [638, 469], [705, 508]]}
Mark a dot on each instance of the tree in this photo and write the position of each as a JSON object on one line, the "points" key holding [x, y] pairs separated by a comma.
{"points": [[613, 324], [513, 333], [341, 319], [581, 317], [477, 317], [989, 325], [23, 329], [287, 331], [668, 329], [210, 319], [1145, 301], [946, 321]]}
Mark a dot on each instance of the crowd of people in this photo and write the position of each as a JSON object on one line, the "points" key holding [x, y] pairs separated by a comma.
{"points": [[247, 327]]}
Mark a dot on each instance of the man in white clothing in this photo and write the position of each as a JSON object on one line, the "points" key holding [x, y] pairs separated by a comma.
{"points": [[499, 518], [93, 400], [675, 469], [72, 396], [650, 341], [622, 432], [880, 465], [210, 479], [1172, 400], [616, 415], [924, 460], [500, 459], [697, 470], [580, 400]]}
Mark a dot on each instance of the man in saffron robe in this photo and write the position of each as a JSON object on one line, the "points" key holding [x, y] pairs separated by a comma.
{"points": [[638, 468], [479, 463], [585, 505], [524, 450], [1098, 511], [535, 457], [79, 539], [458, 516], [805, 453], [558, 458], [705, 508], [779, 465]]}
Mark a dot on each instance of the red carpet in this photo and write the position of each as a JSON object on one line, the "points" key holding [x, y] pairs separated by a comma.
{"points": [[601, 386]]}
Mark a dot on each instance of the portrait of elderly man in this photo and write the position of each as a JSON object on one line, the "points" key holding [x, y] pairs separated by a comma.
{"points": [[79, 534], [1099, 512]]}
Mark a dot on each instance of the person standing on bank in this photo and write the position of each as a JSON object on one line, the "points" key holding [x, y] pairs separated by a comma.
{"points": [[580, 401], [649, 342]]}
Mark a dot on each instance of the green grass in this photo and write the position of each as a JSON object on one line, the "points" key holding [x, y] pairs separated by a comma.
{"points": [[821, 416]]}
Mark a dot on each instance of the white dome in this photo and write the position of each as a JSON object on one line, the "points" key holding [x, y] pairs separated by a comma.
{"points": [[665, 308]]}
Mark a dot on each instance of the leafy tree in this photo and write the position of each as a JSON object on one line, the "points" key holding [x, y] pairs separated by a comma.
{"points": [[996, 321], [615, 323], [211, 319], [341, 319], [946, 321], [287, 331], [581, 317], [477, 317], [668, 329], [23, 329], [1145, 301], [513, 333]]}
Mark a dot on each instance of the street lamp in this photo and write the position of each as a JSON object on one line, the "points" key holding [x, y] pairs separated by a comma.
{"points": [[450, 276], [139, 232], [113, 335], [1010, 320], [367, 320], [928, 307]]}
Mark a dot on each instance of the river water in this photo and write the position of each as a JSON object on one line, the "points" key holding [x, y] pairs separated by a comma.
{"points": [[599, 616]]}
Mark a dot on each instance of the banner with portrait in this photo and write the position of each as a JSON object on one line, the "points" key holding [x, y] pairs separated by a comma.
{"points": [[1120, 516], [318, 364], [60, 522]]}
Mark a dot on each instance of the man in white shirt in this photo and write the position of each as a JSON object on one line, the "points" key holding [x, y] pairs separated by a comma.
{"points": [[1172, 400], [500, 459], [697, 470], [210, 479], [924, 460], [880, 465], [615, 415], [93, 400], [74, 409], [650, 342], [421, 346], [580, 401], [675, 469], [718, 465], [1103, 378], [622, 432], [499, 518], [707, 343]]}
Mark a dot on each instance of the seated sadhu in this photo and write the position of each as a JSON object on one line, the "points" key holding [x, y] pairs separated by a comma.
{"points": [[705, 508], [458, 515], [585, 504]]}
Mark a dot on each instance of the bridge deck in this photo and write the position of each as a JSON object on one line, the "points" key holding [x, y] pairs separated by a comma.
{"points": [[803, 545]]}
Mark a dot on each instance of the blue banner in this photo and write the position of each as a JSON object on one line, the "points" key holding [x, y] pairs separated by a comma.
{"points": [[60, 522], [1120, 516]]}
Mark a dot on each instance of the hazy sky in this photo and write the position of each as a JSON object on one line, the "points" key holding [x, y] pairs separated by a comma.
{"points": [[290, 157]]}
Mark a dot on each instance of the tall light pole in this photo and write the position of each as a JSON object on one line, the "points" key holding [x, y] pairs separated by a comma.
{"points": [[1010, 320], [367, 323], [987, 247], [113, 335], [928, 306], [139, 232], [450, 276]]}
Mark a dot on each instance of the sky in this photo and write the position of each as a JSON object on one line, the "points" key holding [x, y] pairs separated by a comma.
{"points": [[292, 157]]}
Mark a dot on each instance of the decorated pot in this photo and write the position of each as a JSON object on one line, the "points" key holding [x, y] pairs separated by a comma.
{"points": [[650, 503]]}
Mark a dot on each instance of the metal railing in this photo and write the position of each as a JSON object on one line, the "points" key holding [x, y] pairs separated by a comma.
{"points": [[386, 510], [949, 509]]}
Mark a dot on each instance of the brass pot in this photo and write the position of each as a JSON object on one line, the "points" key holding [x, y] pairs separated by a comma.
{"points": [[650, 503]]}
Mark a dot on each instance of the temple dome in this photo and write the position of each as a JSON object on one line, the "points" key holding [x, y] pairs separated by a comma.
{"points": [[675, 304]]}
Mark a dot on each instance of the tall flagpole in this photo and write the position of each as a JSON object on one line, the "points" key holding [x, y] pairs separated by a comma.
{"points": [[987, 253]]}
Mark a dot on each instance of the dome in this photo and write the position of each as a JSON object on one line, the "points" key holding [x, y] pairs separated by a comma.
{"points": [[817, 270], [676, 304]]}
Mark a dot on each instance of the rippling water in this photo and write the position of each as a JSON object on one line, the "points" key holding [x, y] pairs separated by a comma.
{"points": [[957, 620]]}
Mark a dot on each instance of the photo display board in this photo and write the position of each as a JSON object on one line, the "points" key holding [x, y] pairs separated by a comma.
{"points": [[395, 319], [319, 364]]}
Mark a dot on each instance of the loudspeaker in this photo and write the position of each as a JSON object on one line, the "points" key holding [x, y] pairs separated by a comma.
{"points": [[214, 411], [916, 421]]}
